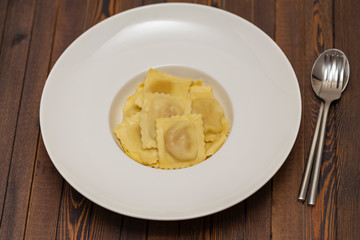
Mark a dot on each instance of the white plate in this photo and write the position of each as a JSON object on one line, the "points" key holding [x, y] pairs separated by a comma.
{"points": [[89, 83]]}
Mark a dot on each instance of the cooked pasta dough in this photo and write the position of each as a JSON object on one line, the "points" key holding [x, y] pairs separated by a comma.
{"points": [[159, 82], [204, 103], [180, 141], [128, 132], [212, 146], [171, 122], [156, 106], [130, 108]]}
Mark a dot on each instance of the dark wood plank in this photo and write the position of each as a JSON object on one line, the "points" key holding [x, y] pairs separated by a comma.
{"points": [[69, 25], [27, 132], [204, 2], [258, 214], [74, 214], [162, 230], [147, 2], [243, 8], [133, 229], [230, 223], [104, 224], [3, 13], [123, 5], [99, 10], [320, 223], [264, 16], [217, 3], [287, 213], [198, 228], [346, 38], [45, 198], [13, 59]]}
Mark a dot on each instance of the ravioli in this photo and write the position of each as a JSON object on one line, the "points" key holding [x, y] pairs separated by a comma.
{"points": [[159, 82], [212, 147], [197, 83], [171, 122], [128, 132], [204, 103], [130, 107], [180, 141], [158, 105]]}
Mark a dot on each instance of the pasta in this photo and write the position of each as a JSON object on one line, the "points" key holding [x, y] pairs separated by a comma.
{"points": [[159, 82], [171, 122], [156, 106], [180, 141]]}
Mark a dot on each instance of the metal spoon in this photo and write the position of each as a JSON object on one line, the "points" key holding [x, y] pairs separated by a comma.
{"points": [[329, 69]]}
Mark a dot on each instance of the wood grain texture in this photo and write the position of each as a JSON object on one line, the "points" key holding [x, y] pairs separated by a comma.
{"points": [[264, 16], [3, 13], [346, 38], [199, 228], [13, 61], [217, 3], [230, 223], [147, 2], [214, 3], [258, 214], [99, 10], [45, 198], [318, 36], [133, 229], [203, 2], [123, 5], [287, 213], [75, 212], [162, 230], [243, 8], [27, 132], [69, 25], [104, 224]]}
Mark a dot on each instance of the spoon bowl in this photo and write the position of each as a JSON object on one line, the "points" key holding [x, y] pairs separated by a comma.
{"points": [[322, 66]]}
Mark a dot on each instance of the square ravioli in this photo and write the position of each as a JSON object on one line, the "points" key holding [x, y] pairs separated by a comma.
{"points": [[180, 141], [130, 107], [128, 132], [157, 105], [204, 103], [212, 147], [159, 82]]}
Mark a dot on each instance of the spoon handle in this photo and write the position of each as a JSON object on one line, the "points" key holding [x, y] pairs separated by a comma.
{"points": [[307, 172], [316, 169]]}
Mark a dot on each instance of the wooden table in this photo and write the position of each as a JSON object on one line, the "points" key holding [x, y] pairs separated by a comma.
{"points": [[35, 201]]}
